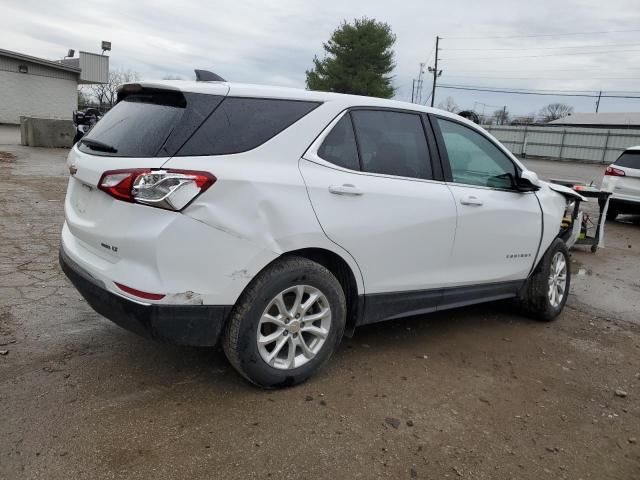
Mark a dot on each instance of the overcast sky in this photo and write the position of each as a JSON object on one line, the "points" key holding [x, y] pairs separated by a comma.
{"points": [[273, 42]]}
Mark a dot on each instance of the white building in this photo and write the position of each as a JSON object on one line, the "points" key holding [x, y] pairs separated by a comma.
{"points": [[600, 120], [35, 87]]}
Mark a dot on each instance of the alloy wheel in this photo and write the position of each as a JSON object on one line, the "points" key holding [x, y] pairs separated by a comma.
{"points": [[294, 327], [557, 279]]}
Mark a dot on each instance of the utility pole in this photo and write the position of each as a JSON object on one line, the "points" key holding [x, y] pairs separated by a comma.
{"points": [[598, 101], [504, 115], [419, 83], [435, 71], [416, 91]]}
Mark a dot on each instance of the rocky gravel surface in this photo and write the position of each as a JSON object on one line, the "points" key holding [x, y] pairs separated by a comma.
{"points": [[475, 393]]}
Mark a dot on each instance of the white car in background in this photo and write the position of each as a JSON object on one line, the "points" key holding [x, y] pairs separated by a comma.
{"points": [[622, 178], [278, 220]]}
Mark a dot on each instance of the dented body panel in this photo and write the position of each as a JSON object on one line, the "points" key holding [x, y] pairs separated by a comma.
{"points": [[553, 205]]}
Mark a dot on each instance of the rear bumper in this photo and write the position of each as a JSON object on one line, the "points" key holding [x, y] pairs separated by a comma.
{"points": [[195, 325]]}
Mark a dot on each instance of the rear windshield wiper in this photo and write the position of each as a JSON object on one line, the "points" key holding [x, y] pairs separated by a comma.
{"points": [[97, 145]]}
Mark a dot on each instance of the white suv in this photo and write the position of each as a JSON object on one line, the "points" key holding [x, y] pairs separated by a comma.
{"points": [[622, 179], [279, 219]]}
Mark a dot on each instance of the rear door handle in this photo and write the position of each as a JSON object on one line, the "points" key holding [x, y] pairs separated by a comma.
{"points": [[346, 189], [471, 200]]}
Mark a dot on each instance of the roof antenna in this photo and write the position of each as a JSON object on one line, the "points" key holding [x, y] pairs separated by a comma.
{"points": [[207, 76]]}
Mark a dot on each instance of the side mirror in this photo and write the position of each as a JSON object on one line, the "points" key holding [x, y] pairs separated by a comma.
{"points": [[528, 181]]}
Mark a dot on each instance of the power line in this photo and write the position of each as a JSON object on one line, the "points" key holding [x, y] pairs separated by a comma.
{"points": [[536, 70], [545, 48], [542, 93], [536, 89], [603, 32], [538, 56], [460, 87], [416, 88], [497, 77], [431, 53]]}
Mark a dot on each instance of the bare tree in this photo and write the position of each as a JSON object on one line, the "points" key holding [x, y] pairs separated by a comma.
{"points": [[100, 91], [554, 111], [83, 98], [449, 104], [106, 94], [172, 77], [502, 116]]}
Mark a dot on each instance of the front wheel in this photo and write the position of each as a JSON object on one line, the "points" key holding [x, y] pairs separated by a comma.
{"points": [[286, 324], [545, 293]]}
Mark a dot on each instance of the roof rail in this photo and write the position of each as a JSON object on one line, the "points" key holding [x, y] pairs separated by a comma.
{"points": [[207, 76]]}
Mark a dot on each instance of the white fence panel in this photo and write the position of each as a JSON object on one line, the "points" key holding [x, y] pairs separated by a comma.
{"points": [[572, 143]]}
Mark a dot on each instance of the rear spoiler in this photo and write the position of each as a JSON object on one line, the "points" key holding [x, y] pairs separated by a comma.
{"points": [[157, 93]]}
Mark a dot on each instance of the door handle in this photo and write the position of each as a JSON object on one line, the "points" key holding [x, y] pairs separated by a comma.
{"points": [[471, 200], [346, 189]]}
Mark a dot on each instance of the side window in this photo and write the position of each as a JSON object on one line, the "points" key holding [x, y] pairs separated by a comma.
{"points": [[241, 124], [339, 147], [392, 143], [474, 159]]}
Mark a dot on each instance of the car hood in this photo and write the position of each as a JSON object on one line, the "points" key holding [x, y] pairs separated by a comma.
{"points": [[566, 191]]}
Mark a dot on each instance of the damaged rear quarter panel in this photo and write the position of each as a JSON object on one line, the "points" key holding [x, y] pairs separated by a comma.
{"points": [[259, 203], [199, 264]]}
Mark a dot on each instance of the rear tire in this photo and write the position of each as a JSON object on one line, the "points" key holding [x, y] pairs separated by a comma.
{"points": [[612, 212], [546, 291], [271, 337]]}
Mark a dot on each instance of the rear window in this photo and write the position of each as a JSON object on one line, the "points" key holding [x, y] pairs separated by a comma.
{"points": [[630, 159], [149, 124], [241, 124], [164, 124]]}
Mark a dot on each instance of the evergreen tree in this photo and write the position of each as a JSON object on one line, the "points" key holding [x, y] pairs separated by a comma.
{"points": [[358, 60]]}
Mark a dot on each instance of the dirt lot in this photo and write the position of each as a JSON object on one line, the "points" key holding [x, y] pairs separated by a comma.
{"points": [[478, 393]]}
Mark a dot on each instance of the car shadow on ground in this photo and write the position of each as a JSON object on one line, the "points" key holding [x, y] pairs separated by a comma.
{"points": [[628, 219], [412, 336]]}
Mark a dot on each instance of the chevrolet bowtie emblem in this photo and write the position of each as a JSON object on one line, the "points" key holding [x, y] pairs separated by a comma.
{"points": [[73, 169]]}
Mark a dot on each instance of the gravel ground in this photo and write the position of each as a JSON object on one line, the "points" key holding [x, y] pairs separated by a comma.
{"points": [[476, 393]]}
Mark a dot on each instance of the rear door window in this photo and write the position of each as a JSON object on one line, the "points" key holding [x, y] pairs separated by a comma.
{"points": [[630, 159], [241, 124], [392, 143], [339, 147]]}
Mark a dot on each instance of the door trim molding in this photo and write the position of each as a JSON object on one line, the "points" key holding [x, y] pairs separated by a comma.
{"points": [[379, 307]]}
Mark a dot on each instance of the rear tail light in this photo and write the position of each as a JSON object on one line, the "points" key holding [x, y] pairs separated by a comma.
{"points": [[168, 189], [615, 172]]}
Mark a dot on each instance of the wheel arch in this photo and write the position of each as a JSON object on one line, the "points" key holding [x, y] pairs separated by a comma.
{"points": [[345, 274]]}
